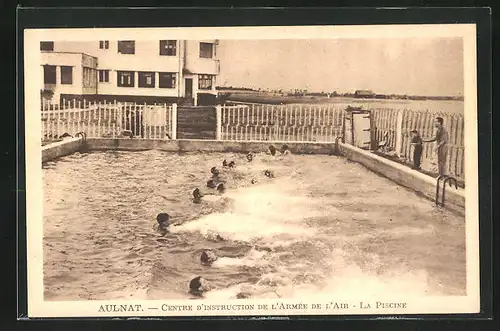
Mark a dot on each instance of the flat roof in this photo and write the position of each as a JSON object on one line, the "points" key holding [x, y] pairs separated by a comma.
{"points": [[53, 52]]}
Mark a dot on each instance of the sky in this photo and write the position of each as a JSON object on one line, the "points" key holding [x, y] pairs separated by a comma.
{"points": [[416, 66]]}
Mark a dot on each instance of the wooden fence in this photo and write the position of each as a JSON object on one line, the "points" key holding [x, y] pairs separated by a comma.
{"points": [[108, 120], [259, 122], [281, 123], [396, 125], [323, 123]]}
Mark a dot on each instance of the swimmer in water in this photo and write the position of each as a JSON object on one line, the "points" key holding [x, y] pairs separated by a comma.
{"points": [[214, 171], [221, 188], [249, 157], [163, 222], [224, 163], [231, 164], [197, 195], [284, 150], [198, 286], [211, 183], [272, 150], [268, 174], [253, 181]]}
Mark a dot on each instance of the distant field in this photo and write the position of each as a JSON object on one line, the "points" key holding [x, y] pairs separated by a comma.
{"points": [[448, 106]]}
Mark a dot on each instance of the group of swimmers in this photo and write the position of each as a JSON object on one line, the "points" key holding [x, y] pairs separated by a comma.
{"points": [[215, 182], [198, 285]]}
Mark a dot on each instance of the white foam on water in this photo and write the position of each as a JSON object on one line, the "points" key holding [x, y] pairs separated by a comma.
{"points": [[267, 212], [212, 197], [251, 259], [341, 280]]}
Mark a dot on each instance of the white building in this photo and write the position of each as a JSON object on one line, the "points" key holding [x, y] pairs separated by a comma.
{"points": [[173, 70]]}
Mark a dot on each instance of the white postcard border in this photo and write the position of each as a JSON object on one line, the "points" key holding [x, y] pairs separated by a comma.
{"points": [[37, 307]]}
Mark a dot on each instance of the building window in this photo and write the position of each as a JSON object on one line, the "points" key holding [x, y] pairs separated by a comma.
{"points": [[205, 82], [146, 79], [166, 79], [168, 47], [49, 74], [46, 46], [66, 75], [125, 79], [126, 47], [89, 77], [104, 44], [103, 76], [206, 50]]}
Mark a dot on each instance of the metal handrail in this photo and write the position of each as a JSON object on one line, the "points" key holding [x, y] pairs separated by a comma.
{"points": [[446, 179], [82, 134], [437, 188]]}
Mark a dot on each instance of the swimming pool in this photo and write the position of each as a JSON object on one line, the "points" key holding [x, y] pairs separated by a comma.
{"points": [[322, 225]]}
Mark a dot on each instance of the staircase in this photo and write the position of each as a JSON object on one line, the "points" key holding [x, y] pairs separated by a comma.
{"points": [[188, 102], [196, 122]]}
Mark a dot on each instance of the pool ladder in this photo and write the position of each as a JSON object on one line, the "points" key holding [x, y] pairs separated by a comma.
{"points": [[81, 134], [444, 179]]}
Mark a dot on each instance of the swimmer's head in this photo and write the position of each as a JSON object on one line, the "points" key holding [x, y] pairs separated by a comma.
{"points": [[231, 164], [162, 219], [221, 188], [211, 183], [268, 174], [214, 171], [198, 285], [208, 257], [253, 181], [224, 163], [272, 150], [197, 193], [249, 157]]}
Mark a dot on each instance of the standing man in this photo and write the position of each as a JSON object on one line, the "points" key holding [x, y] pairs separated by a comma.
{"points": [[441, 139]]}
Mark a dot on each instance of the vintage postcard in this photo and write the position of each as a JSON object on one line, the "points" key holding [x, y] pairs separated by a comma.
{"points": [[252, 171]]}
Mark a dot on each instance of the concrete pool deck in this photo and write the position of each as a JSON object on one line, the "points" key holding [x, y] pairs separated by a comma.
{"points": [[405, 176], [398, 173], [61, 148]]}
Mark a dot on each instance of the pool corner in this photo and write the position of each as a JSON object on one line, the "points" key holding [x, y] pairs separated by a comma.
{"points": [[405, 176], [62, 148]]}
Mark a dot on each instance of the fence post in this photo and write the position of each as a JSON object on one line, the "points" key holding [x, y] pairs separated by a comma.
{"points": [[399, 132], [218, 115], [174, 121]]}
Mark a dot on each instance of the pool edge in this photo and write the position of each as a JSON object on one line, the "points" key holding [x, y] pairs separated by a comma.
{"points": [[193, 145], [62, 148], [405, 176]]}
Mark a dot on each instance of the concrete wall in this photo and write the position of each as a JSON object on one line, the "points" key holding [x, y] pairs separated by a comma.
{"points": [[204, 145], [196, 64], [61, 148], [73, 60], [405, 176]]}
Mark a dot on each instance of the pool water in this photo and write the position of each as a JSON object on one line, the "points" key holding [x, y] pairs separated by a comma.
{"points": [[323, 225]]}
